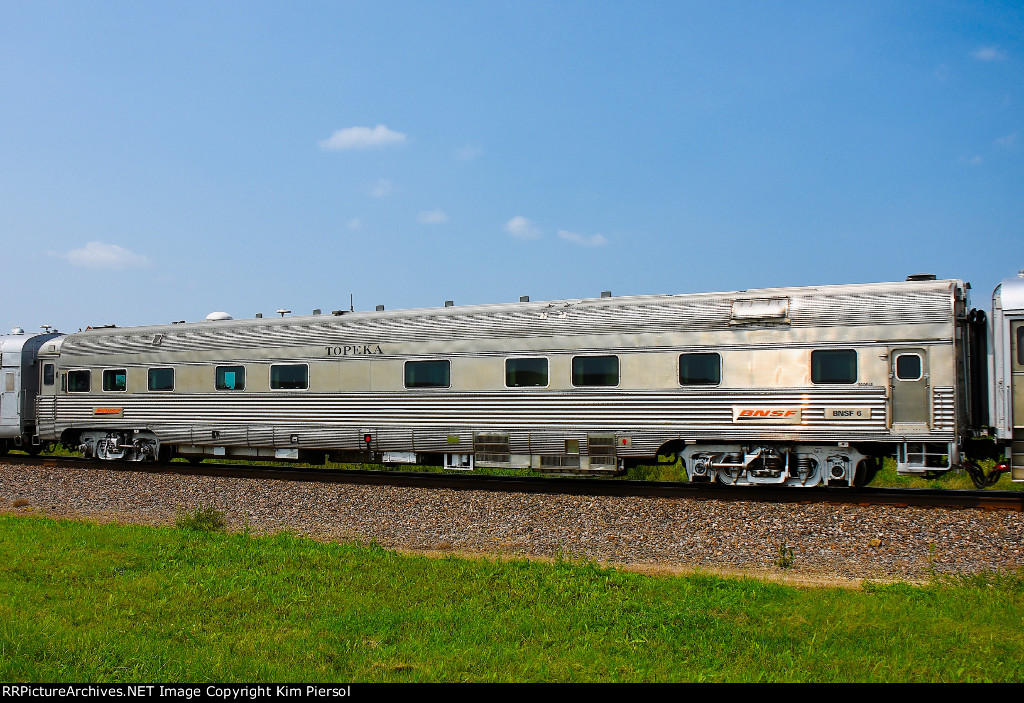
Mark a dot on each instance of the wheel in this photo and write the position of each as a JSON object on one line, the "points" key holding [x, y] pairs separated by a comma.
{"points": [[3, 447], [32, 449], [195, 459], [866, 470]]}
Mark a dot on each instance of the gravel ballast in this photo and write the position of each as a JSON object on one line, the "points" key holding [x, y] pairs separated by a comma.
{"points": [[830, 543]]}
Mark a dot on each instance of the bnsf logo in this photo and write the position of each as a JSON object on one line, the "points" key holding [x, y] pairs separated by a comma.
{"points": [[767, 413]]}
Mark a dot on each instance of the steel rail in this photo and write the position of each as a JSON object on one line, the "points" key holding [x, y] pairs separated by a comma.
{"points": [[588, 486]]}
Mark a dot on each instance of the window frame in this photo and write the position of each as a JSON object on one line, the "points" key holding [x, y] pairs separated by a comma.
{"points": [[149, 379], [103, 380], [679, 369], [236, 389], [618, 371], [279, 388], [405, 374], [920, 367], [547, 371], [88, 377], [856, 367]]}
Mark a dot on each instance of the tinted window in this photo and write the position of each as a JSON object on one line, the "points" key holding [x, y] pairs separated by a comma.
{"points": [[47, 374], [908, 367], [289, 377], [595, 371], [428, 374], [161, 379], [230, 378], [115, 379], [834, 366], [526, 372], [78, 381], [700, 369]]}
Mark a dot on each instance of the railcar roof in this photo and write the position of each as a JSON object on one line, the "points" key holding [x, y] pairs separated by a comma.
{"points": [[539, 306], [1011, 293]]}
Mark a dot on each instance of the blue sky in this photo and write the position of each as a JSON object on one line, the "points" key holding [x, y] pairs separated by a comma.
{"points": [[159, 161]]}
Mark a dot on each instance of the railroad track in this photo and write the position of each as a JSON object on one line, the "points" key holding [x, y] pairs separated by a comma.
{"points": [[919, 497]]}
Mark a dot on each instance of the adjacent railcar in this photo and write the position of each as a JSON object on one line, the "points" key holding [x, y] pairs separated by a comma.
{"points": [[793, 386], [1007, 393], [20, 385]]}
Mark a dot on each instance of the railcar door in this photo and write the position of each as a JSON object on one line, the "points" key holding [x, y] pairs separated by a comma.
{"points": [[9, 396], [911, 392], [1017, 394]]}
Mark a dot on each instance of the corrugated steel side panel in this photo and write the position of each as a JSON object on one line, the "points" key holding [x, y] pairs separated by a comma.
{"points": [[426, 422], [943, 409]]}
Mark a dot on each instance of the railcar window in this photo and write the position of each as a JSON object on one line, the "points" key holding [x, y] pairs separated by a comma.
{"points": [[161, 379], [231, 378], [908, 367], [47, 374], [79, 381], [428, 374], [115, 379], [1020, 346], [595, 371], [289, 377], [834, 366], [700, 369], [520, 373]]}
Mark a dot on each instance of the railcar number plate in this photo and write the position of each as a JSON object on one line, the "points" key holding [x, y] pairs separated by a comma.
{"points": [[847, 413]]}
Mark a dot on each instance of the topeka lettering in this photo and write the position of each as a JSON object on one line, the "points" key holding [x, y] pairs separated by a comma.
{"points": [[354, 350]]}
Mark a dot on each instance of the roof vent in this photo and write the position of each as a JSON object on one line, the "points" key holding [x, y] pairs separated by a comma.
{"points": [[17, 330], [380, 308], [524, 299], [606, 294], [449, 303], [217, 316], [921, 277]]}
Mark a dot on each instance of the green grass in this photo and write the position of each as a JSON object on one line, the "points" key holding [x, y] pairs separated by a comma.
{"points": [[101, 603], [952, 480]]}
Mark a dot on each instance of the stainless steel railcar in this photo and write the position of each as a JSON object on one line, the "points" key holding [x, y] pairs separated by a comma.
{"points": [[19, 385], [796, 386]]}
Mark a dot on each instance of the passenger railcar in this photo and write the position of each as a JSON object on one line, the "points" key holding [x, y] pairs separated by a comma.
{"points": [[790, 386], [20, 378], [1007, 391]]}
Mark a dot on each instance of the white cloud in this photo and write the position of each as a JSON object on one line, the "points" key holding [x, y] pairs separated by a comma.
{"points": [[432, 217], [989, 53], [521, 227], [382, 188], [98, 255], [971, 160], [1008, 141], [362, 138], [354, 224], [469, 152], [594, 240]]}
